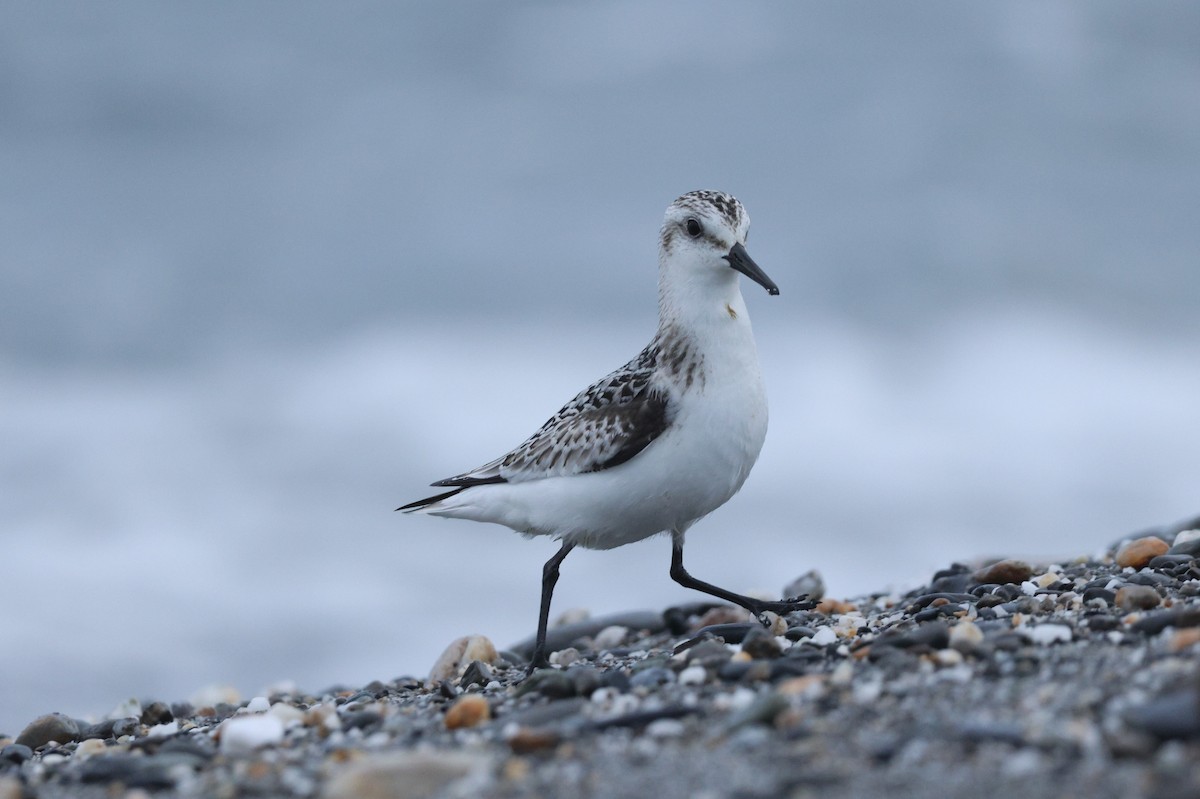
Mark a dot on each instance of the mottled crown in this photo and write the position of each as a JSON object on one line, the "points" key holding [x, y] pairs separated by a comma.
{"points": [[705, 202], [715, 205]]}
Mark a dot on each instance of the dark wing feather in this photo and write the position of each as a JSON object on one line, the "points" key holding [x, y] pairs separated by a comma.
{"points": [[603, 426]]}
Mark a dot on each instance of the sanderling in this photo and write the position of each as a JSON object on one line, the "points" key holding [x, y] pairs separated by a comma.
{"points": [[659, 443]]}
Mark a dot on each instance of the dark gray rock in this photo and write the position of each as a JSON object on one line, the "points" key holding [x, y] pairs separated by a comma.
{"points": [[1175, 715], [15, 753]]}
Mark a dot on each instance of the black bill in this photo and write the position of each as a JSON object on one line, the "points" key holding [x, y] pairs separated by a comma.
{"points": [[740, 260]]}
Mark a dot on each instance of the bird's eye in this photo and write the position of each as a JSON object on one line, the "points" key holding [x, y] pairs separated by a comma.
{"points": [[694, 229]]}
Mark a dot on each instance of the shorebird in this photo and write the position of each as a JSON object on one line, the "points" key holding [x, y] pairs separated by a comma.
{"points": [[661, 442]]}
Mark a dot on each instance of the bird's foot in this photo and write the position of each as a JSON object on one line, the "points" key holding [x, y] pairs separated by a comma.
{"points": [[538, 661], [781, 607]]}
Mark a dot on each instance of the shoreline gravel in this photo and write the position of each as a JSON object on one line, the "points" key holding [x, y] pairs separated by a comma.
{"points": [[1044, 680]]}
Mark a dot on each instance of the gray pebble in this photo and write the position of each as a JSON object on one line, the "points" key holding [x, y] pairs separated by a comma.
{"points": [[761, 645], [51, 727], [477, 673], [652, 677], [810, 585], [1175, 715], [16, 753], [551, 683]]}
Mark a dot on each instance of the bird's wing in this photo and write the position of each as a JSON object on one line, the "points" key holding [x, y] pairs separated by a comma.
{"points": [[603, 426]]}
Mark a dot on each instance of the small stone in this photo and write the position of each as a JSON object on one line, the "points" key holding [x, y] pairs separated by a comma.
{"points": [[213, 695], [1137, 597], [693, 675], [163, 730], [406, 775], [761, 645], [478, 673], [16, 753], [723, 614], [90, 747], [525, 741], [241, 735], [585, 679], [610, 637], [1045, 634], [130, 708], [729, 633], [1182, 639], [572, 616], [830, 606], [468, 710], [822, 637], [551, 683], [1174, 715], [708, 653], [259, 704], [965, 637], [948, 657], [665, 728], [51, 727], [290, 715], [458, 655], [1004, 572], [652, 677], [809, 686], [1186, 542], [1137, 553], [810, 585], [156, 713], [565, 657], [324, 717], [762, 710], [10, 788]]}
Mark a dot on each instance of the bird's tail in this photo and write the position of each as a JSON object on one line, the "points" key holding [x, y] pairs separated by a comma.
{"points": [[421, 504]]}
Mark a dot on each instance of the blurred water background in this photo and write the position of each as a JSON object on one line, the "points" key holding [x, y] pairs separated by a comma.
{"points": [[269, 270]]}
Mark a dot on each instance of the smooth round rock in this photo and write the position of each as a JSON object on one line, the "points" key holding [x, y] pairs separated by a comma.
{"points": [[16, 753], [50, 727], [403, 775], [459, 654], [810, 585], [243, 734], [467, 711], [761, 645], [1005, 572], [1137, 597], [1139, 552]]}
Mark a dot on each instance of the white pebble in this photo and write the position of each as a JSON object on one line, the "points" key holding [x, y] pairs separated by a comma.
{"points": [[965, 636], [865, 692], [693, 675], [1186, 535], [1029, 588], [259, 704], [290, 716], [948, 657], [843, 675], [822, 637], [665, 728], [244, 734], [213, 695], [610, 637], [92, 746], [130, 708], [1047, 633], [163, 730]]}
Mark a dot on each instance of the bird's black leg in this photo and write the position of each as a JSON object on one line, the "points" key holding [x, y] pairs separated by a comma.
{"points": [[549, 578], [755, 606]]}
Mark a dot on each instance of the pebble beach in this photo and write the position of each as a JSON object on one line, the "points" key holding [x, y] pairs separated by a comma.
{"points": [[1002, 678]]}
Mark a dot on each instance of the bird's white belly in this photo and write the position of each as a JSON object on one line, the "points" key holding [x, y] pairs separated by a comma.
{"points": [[693, 468]]}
